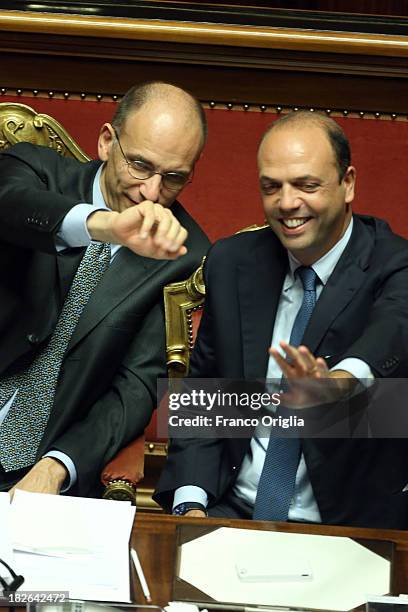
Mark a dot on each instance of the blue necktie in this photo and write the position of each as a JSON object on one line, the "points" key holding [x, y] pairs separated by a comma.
{"points": [[277, 481]]}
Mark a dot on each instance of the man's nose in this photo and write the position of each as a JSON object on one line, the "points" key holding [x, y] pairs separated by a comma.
{"points": [[150, 188], [289, 198]]}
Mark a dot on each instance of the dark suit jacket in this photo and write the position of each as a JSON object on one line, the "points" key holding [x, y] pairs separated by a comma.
{"points": [[362, 312], [107, 387]]}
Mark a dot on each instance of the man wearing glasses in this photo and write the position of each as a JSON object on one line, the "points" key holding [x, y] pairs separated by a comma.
{"points": [[87, 249]]}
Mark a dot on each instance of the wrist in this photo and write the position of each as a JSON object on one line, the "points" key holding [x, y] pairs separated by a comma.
{"points": [[341, 374], [345, 382], [54, 469], [99, 224], [184, 507]]}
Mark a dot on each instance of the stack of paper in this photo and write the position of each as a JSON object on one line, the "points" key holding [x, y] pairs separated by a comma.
{"points": [[72, 544]]}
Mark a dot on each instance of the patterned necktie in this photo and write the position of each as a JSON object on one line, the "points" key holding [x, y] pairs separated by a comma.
{"points": [[277, 481], [24, 425]]}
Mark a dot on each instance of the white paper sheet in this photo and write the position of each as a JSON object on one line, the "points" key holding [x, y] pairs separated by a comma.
{"points": [[72, 544], [342, 571]]}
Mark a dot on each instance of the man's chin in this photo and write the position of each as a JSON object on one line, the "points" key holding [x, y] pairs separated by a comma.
{"points": [[297, 245], [287, 240]]}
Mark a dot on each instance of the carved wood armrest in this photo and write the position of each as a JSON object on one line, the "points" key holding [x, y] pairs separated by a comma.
{"points": [[121, 475]]}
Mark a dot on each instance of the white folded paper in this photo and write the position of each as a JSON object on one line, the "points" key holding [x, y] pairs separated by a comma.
{"points": [[72, 544], [283, 569]]}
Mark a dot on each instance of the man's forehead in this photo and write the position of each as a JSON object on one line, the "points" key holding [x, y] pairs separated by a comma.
{"points": [[150, 124], [161, 146], [140, 121], [308, 132], [295, 144]]}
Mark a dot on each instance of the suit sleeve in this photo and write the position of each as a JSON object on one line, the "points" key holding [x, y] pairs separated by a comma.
{"points": [[122, 413], [31, 208], [383, 340]]}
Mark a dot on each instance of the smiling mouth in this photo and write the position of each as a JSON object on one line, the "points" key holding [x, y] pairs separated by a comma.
{"points": [[294, 223]]}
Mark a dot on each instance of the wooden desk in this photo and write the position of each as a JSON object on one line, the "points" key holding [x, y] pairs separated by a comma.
{"points": [[154, 537]]}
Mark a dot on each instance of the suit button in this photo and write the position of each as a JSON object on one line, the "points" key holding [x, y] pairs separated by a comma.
{"points": [[33, 339]]}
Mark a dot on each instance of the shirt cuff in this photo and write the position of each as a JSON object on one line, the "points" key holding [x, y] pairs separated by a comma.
{"points": [[190, 493], [73, 231], [357, 368], [69, 464]]}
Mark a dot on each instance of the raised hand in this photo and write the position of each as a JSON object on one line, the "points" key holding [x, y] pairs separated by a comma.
{"points": [[310, 381], [148, 229]]}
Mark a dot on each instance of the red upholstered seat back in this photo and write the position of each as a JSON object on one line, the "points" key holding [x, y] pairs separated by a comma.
{"points": [[224, 194]]}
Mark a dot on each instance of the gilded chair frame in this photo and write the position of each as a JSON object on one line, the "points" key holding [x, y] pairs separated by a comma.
{"points": [[21, 123]]}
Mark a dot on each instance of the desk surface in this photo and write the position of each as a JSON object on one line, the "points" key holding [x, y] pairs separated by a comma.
{"points": [[154, 537]]}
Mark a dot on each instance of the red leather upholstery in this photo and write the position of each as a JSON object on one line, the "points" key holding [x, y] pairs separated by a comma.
{"points": [[128, 464]]}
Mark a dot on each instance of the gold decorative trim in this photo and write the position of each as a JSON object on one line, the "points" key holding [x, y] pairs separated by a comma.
{"points": [[59, 95], [120, 490], [253, 228], [232, 106], [20, 123], [205, 33], [332, 112], [157, 449], [180, 301], [144, 501]]}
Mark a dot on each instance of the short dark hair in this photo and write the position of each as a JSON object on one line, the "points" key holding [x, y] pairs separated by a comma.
{"points": [[139, 95], [337, 138]]}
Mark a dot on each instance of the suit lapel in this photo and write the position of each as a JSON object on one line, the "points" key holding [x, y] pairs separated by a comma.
{"points": [[260, 281], [345, 280], [79, 184], [68, 262]]}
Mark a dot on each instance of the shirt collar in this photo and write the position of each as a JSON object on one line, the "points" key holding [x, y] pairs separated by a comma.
{"points": [[323, 266], [97, 195]]}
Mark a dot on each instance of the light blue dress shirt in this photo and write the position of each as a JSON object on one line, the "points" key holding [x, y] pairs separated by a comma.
{"points": [[73, 233], [303, 506]]}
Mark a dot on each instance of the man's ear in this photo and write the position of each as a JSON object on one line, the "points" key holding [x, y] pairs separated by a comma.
{"points": [[349, 181], [105, 141], [199, 155]]}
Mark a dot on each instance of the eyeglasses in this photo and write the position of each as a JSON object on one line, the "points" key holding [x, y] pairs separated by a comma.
{"points": [[138, 169]]}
